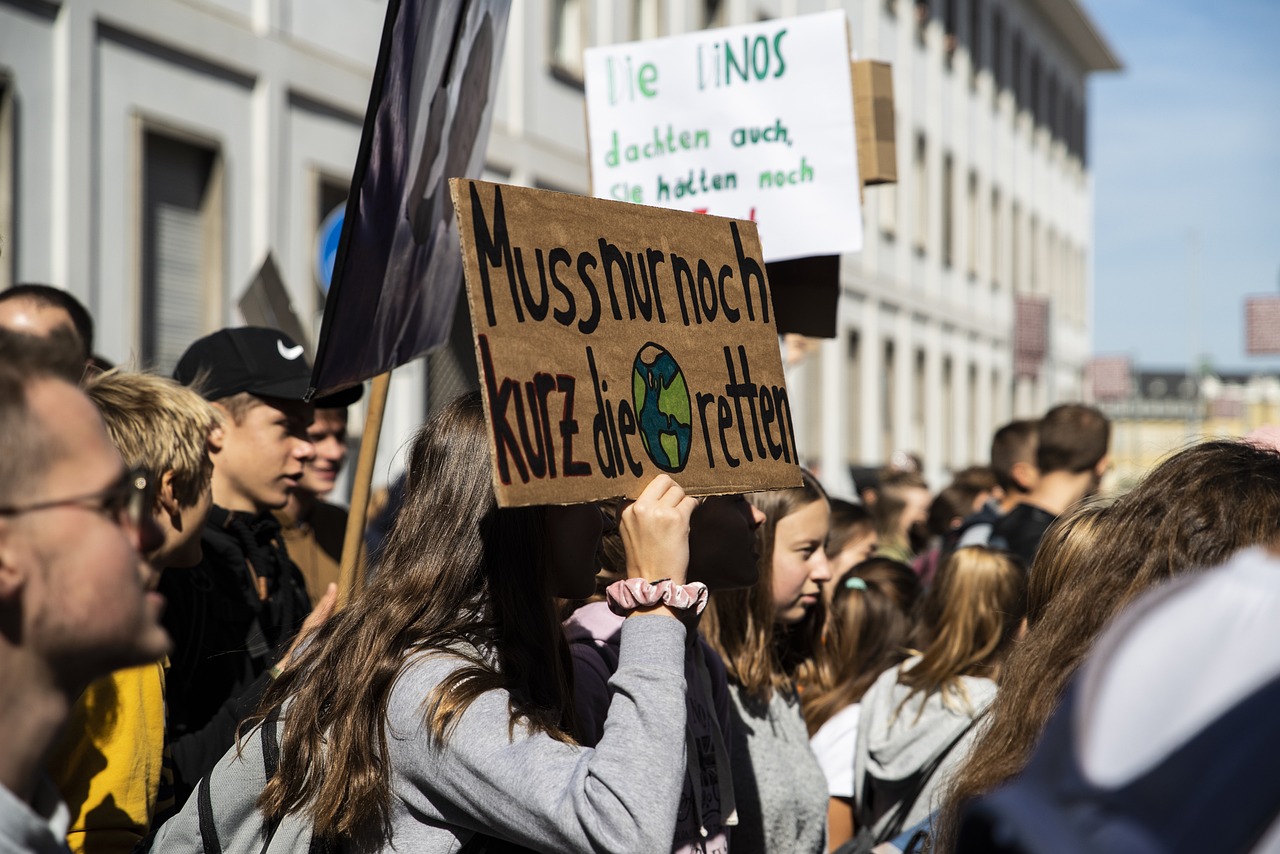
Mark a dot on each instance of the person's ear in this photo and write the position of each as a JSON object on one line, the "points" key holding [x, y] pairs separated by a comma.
{"points": [[1024, 474], [167, 501], [12, 575], [217, 436], [1103, 465]]}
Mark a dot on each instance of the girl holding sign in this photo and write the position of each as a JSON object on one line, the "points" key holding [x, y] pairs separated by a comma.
{"points": [[436, 707], [781, 790], [722, 555]]}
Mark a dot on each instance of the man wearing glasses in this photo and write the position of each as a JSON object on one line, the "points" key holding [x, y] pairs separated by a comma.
{"points": [[74, 600]]}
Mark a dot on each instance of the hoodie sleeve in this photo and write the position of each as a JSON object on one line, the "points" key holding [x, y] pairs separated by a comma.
{"points": [[620, 796]]}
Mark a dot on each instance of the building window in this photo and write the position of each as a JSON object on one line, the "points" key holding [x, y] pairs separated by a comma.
{"points": [[568, 38], [1051, 268], [974, 221], [853, 398], [998, 72], [996, 244], [887, 199], [948, 211], [1015, 240], [920, 175], [919, 403], [951, 25], [1082, 137], [181, 246], [1051, 108], [715, 13], [976, 60], [646, 19], [949, 415], [7, 249], [1033, 247], [1033, 85], [1015, 73], [888, 399]]}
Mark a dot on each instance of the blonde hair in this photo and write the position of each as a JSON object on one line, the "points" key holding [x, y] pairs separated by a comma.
{"points": [[158, 425], [971, 613]]}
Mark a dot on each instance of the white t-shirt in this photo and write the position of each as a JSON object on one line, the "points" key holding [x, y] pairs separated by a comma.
{"points": [[833, 744]]}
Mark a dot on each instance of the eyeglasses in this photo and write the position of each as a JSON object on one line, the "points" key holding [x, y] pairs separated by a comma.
{"points": [[128, 500]]}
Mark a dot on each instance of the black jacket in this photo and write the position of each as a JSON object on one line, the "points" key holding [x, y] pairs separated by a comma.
{"points": [[231, 618]]}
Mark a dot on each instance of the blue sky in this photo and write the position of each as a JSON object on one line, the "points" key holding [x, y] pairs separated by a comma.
{"points": [[1185, 140]]}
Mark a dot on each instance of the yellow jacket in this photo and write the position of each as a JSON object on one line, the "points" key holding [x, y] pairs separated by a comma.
{"points": [[108, 763]]}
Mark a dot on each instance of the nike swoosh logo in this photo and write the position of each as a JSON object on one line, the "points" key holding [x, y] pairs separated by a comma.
{"points": [[289, 353]]}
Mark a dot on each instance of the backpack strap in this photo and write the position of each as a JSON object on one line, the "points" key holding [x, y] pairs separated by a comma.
{"points": [[909, 799], [270, 739], [208, 831]]}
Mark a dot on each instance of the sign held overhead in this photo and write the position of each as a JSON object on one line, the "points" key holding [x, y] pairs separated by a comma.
{"points": [[617, 341], [754, 122]]}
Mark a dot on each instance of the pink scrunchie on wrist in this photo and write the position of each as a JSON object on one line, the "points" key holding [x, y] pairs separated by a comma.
{"points": [[632, 594]]}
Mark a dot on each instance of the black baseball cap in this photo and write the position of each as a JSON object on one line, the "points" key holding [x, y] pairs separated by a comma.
{"points": [[254, 359]]}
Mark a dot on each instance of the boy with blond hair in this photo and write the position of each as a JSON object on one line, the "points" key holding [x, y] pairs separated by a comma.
{"points": [[108, 765]]}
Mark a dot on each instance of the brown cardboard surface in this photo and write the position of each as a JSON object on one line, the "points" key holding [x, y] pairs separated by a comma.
{"points": [[873, 119], [584, 310]]}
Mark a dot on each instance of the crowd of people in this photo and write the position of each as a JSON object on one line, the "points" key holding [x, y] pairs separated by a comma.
{"points": [[1010, 663]]}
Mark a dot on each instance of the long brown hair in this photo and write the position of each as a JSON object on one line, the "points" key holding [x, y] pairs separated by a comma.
{"points": [[974, 608], [866, 633], [739, 624], [459, 576], [1192, 511]]}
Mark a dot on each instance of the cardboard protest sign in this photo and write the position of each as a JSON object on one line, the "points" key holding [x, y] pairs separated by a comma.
{"points": [[754, 122], [617, 341], [397, 270]]}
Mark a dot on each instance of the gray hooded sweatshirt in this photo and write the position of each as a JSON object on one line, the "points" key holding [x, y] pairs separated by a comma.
{"points": [[896, 742], [620, 796]]}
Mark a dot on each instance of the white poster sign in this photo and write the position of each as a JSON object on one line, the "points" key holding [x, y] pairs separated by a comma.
{"points": [[752, 122]]}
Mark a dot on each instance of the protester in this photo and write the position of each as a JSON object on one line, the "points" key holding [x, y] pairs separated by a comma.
{"points": [[1193, 510], [73, 585], [852, 540], [108, 763], [917, 720], [1071, 456], [901, 510], [780, 790], [1167, 738], [234, 615], [1013, 461], [868, 626], [967, 493], [722, 555], [437, 706], [39, 309], [313, 528]]}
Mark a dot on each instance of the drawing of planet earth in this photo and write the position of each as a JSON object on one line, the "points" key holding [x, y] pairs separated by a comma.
{"points": [[661, 399]]}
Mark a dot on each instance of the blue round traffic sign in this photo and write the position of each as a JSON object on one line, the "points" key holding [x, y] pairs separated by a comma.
{"points": [[327, 245]]}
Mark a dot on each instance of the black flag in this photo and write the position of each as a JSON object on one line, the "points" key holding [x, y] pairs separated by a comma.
{"points": [[399, 266]]}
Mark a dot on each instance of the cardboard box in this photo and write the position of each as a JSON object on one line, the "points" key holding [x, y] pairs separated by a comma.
{"points": [[873, 118]]}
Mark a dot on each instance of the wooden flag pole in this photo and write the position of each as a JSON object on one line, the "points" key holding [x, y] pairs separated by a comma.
{"points": [[352, 572]]}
